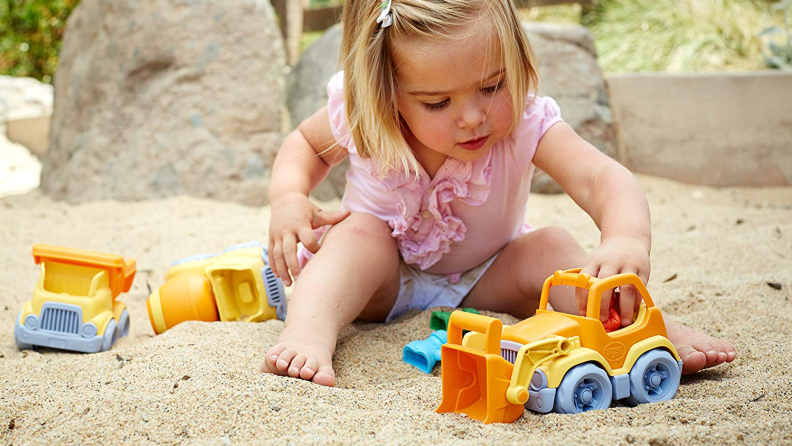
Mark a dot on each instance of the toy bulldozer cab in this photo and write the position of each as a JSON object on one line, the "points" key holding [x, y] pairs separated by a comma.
{"points": [[555, 361]]}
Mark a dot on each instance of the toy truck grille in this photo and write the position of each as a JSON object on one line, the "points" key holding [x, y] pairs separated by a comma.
{"points": [[509, 350], [60, 320]]}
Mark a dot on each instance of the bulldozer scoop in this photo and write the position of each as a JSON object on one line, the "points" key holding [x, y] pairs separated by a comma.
{"points": [[475, 383]]}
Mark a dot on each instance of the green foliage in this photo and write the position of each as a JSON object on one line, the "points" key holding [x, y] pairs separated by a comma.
{"points": [[679, 35], [31, 32], [778, 46]]}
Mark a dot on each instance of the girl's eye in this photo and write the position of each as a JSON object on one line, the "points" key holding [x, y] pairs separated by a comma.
{"points": [[437, 106], [494, 88]]}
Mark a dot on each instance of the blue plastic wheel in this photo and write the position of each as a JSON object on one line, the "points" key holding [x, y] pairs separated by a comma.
{"points": [[654, 377], [110, 335], [584, 387], [22, 345], [123, 324]]}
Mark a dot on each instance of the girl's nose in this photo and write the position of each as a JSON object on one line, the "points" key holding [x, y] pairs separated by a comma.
{"points": [[472, 115]]}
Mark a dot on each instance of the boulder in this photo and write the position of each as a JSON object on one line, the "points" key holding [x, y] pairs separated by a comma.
{"points": [[307, 93], [568, 72], [162, 98]]}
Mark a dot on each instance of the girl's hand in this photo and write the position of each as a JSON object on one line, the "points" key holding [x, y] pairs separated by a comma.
{"points": [[294, 217], [615, 255]]}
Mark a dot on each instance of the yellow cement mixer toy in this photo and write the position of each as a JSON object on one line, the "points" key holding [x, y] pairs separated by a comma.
{"points": [[555, 361], [234, 285]]}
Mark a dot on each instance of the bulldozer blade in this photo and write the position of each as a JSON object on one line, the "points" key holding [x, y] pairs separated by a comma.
{"points": [[475, 383]]}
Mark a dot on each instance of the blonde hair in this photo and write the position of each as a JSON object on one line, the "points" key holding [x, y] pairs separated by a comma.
{"points": [[369, 66]]}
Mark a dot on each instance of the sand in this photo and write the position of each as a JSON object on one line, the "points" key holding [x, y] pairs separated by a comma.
{"points": [[714, 253]]}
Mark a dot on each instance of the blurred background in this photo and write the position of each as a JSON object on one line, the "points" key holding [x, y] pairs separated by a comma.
{"points": [[675, 35], [621, 69]]}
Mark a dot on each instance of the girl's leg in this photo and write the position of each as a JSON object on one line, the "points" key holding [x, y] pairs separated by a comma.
{"points": [[354, 275], [513, 284]]}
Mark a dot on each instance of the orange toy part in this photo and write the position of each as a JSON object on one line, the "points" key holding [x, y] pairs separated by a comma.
{"points": [[186, 297], [464, 390], [121, 272]]}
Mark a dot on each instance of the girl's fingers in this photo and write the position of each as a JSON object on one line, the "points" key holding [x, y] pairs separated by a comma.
{"points": [[605, 272], [290, 254], [280, 263], [628, 297], [271, 257], [308, 239], [323, 218], [581, 295]]}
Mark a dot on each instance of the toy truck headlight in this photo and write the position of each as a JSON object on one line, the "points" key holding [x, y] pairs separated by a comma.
{"points": [[31, 322], [538, 380], [88, 330]]}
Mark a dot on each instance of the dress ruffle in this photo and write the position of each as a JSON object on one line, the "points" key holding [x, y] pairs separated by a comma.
{"points": [[426, 226]]}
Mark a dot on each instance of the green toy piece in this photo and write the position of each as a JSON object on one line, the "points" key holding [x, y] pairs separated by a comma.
{"points": [[439, 319]]}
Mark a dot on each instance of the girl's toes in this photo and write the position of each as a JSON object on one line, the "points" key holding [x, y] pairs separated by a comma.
{"points": [[325, 376], [730, 355], [692, 359], [285, 358], [271, 358], [309, 369], [708, 350], [296, 366]]}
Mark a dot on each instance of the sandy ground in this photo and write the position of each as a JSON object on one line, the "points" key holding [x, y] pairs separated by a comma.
{"points": [[714, 253]]}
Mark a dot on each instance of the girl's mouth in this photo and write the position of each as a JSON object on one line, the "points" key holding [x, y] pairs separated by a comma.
{"points": [[474, 144]]}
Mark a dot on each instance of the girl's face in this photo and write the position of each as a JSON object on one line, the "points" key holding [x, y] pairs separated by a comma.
{"points": [[452, 94]]}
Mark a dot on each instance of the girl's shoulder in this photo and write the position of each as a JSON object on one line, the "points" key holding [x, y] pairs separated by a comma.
{"points": [[541, 113], [336, 110]]}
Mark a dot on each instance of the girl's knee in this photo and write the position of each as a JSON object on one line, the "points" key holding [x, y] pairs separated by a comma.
{"points": [[557, 238], [365, 227]]}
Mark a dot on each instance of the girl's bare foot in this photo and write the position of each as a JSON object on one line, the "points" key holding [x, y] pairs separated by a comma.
{"points": [[698, 350], [301, 357]]}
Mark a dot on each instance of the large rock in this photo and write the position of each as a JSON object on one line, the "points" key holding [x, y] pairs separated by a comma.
{"points": [[568, 69], [161, 98], [569, 73]]}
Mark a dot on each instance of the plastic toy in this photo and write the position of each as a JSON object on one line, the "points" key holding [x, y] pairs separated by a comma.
{"points": [[426, 353], [234, 285], [439, 319], [74, 303], [555, 361]]}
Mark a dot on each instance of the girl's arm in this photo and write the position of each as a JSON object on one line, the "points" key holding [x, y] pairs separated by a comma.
{"points": [[303, 161], [610, 194]]}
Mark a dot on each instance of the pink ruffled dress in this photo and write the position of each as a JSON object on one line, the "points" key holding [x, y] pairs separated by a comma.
{"points": [[457, 220]]}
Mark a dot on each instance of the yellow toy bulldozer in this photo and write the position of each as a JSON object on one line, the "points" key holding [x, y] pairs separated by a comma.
{"points": [[556, 361]]}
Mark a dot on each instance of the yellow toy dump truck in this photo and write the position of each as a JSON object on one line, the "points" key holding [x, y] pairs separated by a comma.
{"points": [[556, 361], [74, 304]]}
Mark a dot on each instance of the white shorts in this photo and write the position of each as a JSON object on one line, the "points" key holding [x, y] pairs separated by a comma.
{"points": [[421, 290]]}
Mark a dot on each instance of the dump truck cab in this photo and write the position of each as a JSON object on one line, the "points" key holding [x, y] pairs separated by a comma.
{"points": [[555, 361], [73, 305]]}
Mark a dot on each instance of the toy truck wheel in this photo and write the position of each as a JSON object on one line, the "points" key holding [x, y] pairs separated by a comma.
{"points": [[653, 378], [110, 335], [22, 345], [123, 324], [584, 387]]}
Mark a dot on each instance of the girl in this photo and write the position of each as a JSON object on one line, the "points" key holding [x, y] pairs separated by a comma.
{"points": [[436, 109]]}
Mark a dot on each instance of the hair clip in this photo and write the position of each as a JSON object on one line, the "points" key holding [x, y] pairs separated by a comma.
{"points": [[385, 17]]}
